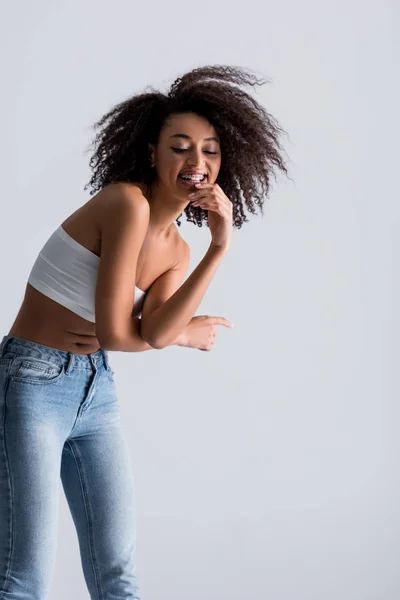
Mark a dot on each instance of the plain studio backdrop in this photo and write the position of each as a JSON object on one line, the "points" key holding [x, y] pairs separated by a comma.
{"points": [[267, 468]]}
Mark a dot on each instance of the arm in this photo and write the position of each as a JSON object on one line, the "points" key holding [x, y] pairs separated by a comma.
{"points": [[135, 342], [161, 326], [158, 293], [124, 225], [199, 333]]}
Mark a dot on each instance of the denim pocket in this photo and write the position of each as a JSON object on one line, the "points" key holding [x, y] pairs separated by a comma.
{"points": [[36, 371]]}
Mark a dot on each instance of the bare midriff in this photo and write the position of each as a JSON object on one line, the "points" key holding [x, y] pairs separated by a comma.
{"points": [[44, 321]]}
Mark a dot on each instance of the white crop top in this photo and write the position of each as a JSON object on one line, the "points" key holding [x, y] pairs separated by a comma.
{"points": [[66, 272]]}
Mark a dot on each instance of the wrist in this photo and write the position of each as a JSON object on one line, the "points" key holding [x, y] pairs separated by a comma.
{"points": [[180, 340], [220, 250]]}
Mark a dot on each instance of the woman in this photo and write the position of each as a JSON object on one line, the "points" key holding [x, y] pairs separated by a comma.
{"points": [[111, 277]]}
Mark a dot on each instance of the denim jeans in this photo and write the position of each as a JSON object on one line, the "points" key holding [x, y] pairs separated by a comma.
{"points": [[60, 417]]}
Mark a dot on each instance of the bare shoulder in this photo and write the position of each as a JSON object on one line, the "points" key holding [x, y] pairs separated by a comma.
{"points": [[122, 200]]}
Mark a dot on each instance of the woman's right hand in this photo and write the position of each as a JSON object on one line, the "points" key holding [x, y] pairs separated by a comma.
{"points": [[201, 331]]}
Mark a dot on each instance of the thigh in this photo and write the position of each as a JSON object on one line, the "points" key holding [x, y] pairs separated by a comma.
{"points": [[30, 458], [98, 481]]}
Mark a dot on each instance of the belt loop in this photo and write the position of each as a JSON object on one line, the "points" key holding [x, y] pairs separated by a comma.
{"points": [[106, 360], [70, 363]]}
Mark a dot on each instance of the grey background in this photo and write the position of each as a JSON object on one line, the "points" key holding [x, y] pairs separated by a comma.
{"points": [[267, 468]]}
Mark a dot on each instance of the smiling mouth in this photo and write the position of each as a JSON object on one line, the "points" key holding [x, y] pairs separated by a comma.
{"points": [[192, 178], [189, 183]]}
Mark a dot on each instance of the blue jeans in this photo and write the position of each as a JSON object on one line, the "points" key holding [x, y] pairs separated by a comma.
{"points": [[60, 416]]}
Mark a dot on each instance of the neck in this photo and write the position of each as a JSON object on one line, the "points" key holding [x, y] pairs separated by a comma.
{"points": [[165, 208]]}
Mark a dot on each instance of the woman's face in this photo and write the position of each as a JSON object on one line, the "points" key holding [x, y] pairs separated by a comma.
{"points": [[188, 148]]}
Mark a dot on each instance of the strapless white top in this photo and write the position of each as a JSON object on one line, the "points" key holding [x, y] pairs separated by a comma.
{"points": [[66, 272]]}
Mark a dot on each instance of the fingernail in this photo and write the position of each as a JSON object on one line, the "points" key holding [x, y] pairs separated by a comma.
{"points": [[192, 194], [197, 184]]}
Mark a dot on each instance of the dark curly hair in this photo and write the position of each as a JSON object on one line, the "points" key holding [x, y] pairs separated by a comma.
{"points": [[250, 147]]}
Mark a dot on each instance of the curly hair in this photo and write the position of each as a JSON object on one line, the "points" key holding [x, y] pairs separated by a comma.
{"points": [[249, 135]]}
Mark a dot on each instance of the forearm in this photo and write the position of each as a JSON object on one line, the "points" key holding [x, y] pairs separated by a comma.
{"points": [[163, 326], [134, 342]]}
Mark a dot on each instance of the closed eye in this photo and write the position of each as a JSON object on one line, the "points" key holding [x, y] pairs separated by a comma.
{"points": [[185, 150]]}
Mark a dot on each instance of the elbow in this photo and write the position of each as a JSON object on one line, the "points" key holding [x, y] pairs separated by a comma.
{"points": [[154, 342], [150, 337], [156, 345]]}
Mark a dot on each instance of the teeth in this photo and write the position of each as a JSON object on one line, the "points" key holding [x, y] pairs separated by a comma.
{"points": [[193, 177]]}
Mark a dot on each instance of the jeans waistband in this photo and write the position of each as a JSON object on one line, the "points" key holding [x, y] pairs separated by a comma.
{"points": [[27, 348]]}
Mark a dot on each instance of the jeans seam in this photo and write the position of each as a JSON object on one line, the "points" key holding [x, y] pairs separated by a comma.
{"points": [[11, 503], [87, 513]]}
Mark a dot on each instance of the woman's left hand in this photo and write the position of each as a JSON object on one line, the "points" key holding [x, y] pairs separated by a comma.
{"points": [[200, 332], [210, 196]]}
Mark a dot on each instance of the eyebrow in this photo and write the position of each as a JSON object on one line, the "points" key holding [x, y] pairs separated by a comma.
{"points": [[187, 137]]}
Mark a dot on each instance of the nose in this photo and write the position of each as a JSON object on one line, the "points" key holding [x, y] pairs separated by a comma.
{"points": [[196, 159]]}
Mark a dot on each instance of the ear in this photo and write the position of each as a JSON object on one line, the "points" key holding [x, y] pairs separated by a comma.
{"points": [[151, 155]]}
